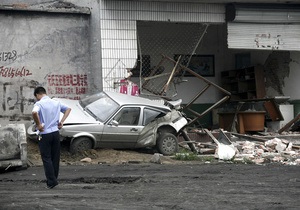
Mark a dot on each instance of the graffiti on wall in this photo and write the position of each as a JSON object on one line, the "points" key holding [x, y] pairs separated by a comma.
{"points": [[66, 85], [8, 56], [17, 99], [268, 41], [12, 72]]}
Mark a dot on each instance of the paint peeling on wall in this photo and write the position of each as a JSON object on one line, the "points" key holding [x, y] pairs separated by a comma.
{"points": [[276, 70]]}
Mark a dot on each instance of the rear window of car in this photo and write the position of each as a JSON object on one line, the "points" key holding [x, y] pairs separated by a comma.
{"points": [[150, 115]]}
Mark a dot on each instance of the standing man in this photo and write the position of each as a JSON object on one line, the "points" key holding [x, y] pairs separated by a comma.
{"points": [[46, 113]]}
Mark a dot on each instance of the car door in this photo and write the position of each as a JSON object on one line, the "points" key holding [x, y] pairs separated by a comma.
{"points": [[123, 129]]}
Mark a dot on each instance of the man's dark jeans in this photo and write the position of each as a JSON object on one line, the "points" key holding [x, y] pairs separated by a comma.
{"points": [[49, 146]]}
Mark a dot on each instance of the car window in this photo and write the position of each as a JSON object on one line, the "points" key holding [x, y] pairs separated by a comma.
{"points": [[100, 106], [90, 99], [150, 115], [128, 116]]}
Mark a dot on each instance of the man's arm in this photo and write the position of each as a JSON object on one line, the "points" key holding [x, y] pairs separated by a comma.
{"points": [[37, 121], [66, 114]]}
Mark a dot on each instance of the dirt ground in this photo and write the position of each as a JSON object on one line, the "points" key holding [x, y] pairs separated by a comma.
{"points": [[118, 179], [99, 156], [154, 186]]}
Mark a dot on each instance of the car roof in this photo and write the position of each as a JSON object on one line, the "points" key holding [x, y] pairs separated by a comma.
{"points": [[124, 99]]}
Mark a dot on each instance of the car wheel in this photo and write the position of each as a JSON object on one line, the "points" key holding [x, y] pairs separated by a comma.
{"points": [[167, 144], [80, 144]]}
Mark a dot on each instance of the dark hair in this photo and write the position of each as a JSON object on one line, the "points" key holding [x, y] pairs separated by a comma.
{"points": [[39, 90]]}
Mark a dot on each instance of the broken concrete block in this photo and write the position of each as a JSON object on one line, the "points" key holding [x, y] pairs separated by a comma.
{"points": [[285, 141], [156, 158], [258, 160], [273, 142], [13, 146], [289, 147], [280, 147], [248, 147], [278, 159], [259, 152]]}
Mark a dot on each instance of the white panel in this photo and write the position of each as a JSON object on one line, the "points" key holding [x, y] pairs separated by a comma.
{"points": [[119, 53], [109, 63], [118, 24], [118, 34], [264, 36], [162, 11], [163, 6], [118, 44]]}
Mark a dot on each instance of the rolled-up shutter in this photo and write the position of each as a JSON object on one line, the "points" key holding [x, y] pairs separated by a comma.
{"points": [[263, 28]]}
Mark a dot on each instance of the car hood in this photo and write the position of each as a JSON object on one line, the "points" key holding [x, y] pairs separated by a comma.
{"points": [[77, 114]]}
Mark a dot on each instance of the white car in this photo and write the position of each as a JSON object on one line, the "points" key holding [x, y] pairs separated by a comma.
{"points": [[115, 120]]}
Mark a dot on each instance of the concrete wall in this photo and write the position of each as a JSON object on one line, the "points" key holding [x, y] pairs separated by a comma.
{"points": [[46, 49], [51, 44]]}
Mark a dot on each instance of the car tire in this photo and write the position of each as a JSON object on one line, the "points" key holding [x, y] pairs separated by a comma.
{"points": [[167, 144], [80, 144]]}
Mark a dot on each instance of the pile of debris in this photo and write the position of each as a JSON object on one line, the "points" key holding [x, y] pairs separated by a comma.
{"points": [[247, 148], [271, 151]]}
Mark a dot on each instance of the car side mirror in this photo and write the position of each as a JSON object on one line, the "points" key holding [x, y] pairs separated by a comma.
{"points": [[114, 122]]}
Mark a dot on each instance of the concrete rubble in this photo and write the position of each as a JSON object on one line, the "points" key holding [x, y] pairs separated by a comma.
{"points": [[274, 150], [251, 149]]}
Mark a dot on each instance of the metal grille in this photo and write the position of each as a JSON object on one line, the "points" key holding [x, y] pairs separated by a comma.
{"points": [[162, 47]]}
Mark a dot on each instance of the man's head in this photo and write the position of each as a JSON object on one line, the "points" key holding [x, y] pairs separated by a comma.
{"points": [[39, 92]]}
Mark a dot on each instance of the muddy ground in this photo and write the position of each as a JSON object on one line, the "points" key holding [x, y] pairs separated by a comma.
{"points": [[117, 179], [155, 186]]}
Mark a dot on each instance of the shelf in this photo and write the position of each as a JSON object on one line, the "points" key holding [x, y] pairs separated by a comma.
{"points": [[247, 83]]}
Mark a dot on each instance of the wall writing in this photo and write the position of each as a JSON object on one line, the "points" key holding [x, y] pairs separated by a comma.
{"points": [[8, 56], [66, 85], [11, 72], [18, 99], [268, 41]]}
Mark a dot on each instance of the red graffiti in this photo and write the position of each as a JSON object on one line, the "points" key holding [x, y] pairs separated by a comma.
{"points": [[77, 80], [11, 72], [66, 85]]}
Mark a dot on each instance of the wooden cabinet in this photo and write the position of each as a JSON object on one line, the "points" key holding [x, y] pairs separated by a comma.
{"points": [[246, 83]]}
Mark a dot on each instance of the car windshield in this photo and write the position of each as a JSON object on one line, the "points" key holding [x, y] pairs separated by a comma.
{"points": [[99, 105]]}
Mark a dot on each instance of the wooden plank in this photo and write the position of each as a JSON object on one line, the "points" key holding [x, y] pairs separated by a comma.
{"points": [[260, 81], [273, 110], [253, 138], [289, 124]]}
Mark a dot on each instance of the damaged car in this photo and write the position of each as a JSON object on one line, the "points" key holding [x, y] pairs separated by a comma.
{"points": [[120, 121]]}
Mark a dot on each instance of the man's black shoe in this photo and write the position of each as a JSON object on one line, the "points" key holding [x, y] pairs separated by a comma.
{"points": [[51, 186]]}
